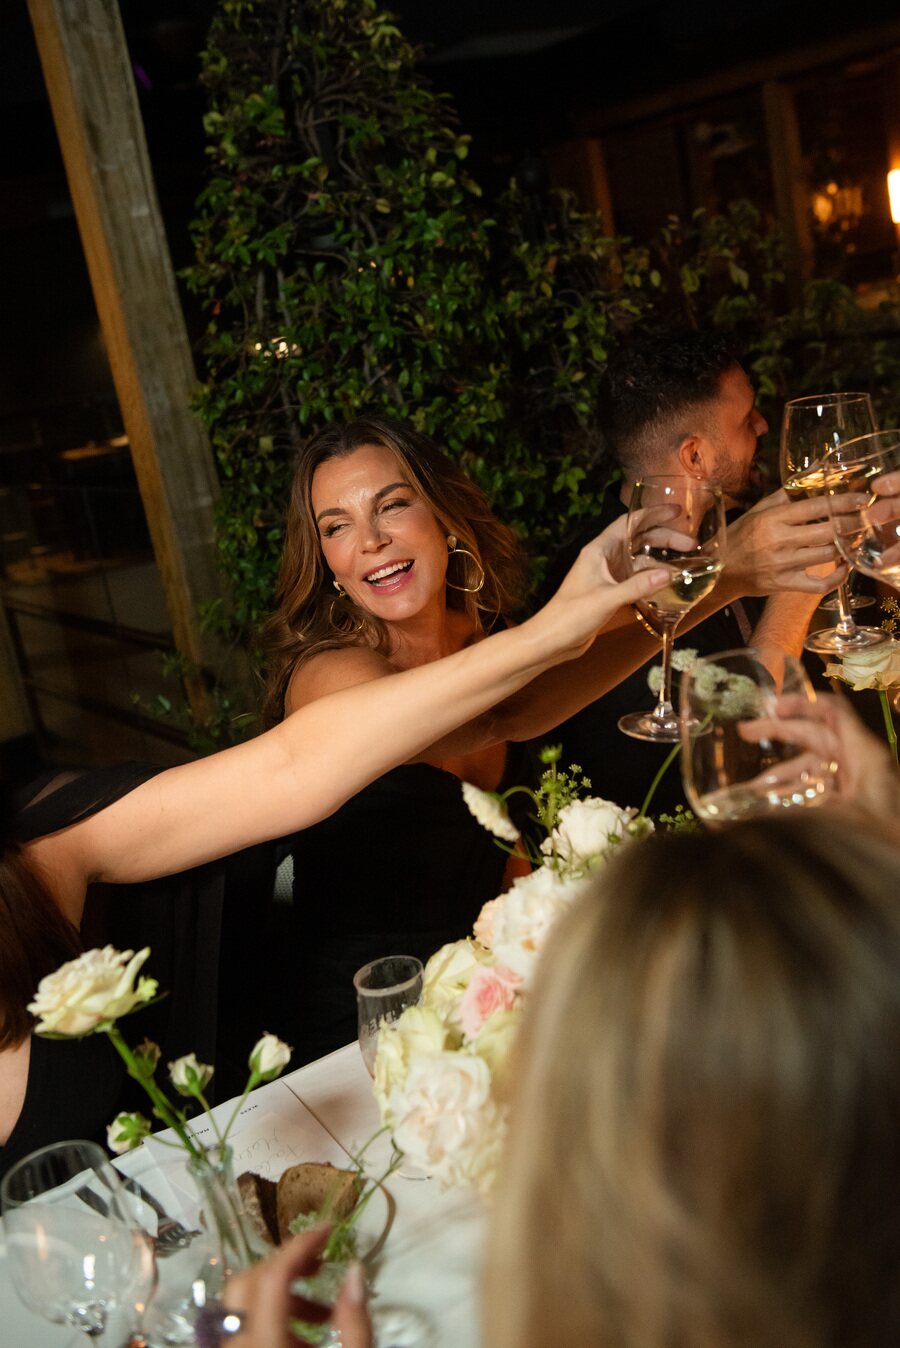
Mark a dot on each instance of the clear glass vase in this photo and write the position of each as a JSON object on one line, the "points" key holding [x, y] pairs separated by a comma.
{"points": [[194, 1277], [223, 1210]]}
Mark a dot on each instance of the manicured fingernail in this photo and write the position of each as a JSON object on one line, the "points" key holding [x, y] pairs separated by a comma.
{"points": [[355, 1284]]}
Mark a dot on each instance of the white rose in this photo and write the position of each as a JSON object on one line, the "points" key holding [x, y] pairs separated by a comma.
{"points": [[88, 993], [269, 1056], [533, 903], [446, 1120], [447, 975], [490, 811], [874, 667], [585, 831], [188, 1076], [126, 1132], [417, 1032]]}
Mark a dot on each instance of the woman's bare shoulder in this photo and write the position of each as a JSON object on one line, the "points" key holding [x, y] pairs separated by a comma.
{"points": [[331, 671]]}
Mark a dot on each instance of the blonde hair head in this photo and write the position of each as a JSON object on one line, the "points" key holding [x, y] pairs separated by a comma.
{"points": [[705, 1146]]}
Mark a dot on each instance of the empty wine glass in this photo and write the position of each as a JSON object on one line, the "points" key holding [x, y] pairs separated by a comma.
{"points": [[866, 521], [811, 428], [384, 989], [677, 522], [76, 1253], [730, 773]]}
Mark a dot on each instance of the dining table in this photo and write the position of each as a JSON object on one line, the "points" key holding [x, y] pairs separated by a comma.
{"points": [[324, 1111]]}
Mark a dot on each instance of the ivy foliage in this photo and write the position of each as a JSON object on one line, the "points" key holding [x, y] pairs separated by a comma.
{"points": [[348, 263]]}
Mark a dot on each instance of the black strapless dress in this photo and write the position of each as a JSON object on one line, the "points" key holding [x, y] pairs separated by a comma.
{"points": [[401, 869]]}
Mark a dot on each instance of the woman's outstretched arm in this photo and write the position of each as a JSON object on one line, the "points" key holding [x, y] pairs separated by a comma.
{"points": [[302, 770]]}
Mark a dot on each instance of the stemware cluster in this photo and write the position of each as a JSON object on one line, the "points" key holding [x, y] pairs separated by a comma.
{"points": [[740, 727]]}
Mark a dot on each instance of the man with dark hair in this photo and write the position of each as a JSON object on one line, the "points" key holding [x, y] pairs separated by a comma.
{"points": [[680, 403]]}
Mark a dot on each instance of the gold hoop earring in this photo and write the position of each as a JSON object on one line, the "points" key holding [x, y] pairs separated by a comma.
{"points": [[340, 589], [345, 611], [464, 552]]}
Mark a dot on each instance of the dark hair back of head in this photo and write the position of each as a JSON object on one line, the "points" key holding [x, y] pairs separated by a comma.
{"points": [[653, 387]]}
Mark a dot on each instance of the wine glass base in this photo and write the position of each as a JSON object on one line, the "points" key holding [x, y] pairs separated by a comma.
{"points": [[650, 727], [830, 642], [856, 601]]}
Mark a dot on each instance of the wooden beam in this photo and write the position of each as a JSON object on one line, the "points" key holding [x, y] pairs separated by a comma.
{"points": [[880, 43], [789, 183], [87, 70]]}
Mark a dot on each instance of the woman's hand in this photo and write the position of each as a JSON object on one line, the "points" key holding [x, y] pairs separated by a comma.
{"points": [[262, 1296], [866, 777], [591, 594]]}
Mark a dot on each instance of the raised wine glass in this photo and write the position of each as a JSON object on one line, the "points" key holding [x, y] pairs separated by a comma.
{"points": [[677, 522], [866, 523], [811, 428], [76, 1253], [729, 774]]}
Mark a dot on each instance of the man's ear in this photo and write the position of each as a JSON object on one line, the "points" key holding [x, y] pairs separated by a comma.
{"points": [[694, 457]]}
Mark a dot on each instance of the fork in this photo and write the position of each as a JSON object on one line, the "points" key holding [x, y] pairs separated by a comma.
{"points": [[171, 1235]]}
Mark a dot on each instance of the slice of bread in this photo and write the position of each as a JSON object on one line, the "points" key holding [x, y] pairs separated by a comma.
{"points": [[315, 1187], [259, 1199]]}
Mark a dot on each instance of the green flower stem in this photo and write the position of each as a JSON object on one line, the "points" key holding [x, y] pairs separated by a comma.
{"points": [[162, 1107], [889, 724], [666, 764], [255, 1079]]}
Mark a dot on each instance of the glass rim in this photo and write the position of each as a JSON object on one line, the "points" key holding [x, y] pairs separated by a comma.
{"points": [[393, 988], [30, 1157], [683, 479], [750, 653], [828, 399]]}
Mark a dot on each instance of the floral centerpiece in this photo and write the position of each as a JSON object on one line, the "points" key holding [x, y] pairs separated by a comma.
{"points": [[442, 1068]]}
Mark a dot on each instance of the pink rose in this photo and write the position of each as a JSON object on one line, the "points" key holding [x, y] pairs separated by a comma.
{"points": [[488, 991]]}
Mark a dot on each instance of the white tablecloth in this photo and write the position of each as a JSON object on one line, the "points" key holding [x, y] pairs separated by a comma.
{"points": [[432, 1253]]}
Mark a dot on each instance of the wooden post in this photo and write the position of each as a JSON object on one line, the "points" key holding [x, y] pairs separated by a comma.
{"points": [[87, 71], [788, 180]]}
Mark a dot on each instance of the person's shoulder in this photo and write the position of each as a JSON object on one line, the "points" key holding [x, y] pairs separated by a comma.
{"points": [[329, 671]]}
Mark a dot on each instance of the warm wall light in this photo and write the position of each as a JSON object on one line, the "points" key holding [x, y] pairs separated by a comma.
{"points": [[893, 180]]}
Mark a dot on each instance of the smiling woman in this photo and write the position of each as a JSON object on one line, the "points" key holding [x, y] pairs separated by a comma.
{"points": [[392, 560], [364, 495]]}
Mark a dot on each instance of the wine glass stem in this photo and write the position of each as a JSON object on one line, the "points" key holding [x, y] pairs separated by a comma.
{"points": [[663, 709], [845, 625]]}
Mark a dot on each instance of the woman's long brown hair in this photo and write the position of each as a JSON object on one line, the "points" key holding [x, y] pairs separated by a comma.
{"points": [[35, 939], [309, 619]]}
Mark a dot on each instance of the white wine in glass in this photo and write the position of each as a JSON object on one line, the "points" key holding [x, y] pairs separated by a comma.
{"points": [[675, 522], [811, 428], [865, 516]]}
